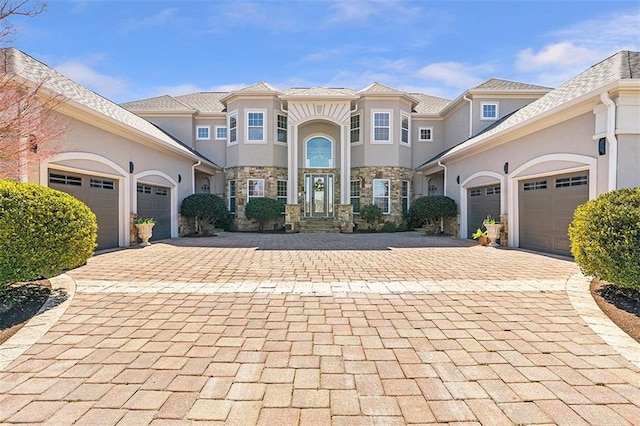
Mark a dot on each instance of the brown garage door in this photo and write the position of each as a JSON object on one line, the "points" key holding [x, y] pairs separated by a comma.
{"points": [[546, 207], [482, 201], [100, 194], [155, 202]]}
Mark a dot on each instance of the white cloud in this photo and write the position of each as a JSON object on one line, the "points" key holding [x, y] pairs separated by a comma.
{"points": [[561, 54], [158, 19], [81, 71], [362, 11], [455, 74]]}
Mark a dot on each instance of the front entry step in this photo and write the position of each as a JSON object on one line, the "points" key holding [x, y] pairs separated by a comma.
{"points": [[319, 225]]}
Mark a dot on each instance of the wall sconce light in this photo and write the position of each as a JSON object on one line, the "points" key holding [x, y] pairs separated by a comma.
{"points": [[179, 178], [602, 146], [506, 168], [131, 167], [458, 179]]}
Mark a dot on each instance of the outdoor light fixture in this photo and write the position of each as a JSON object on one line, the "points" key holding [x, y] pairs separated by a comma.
{"points": [[131, 167], [458, 179], [506, 168], [179, 178], [602, 146]]}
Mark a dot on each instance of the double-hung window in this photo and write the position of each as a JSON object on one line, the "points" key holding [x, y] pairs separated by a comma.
{"points": [[233, 128], [282, 195], [489, 110], [203, 133], [355, 128], [255, 126], [255, 188], [406, 129], [405, 196], [355, 196], [425, 134], [381, 191], [281, 126], [221, 132], [231, 196], [381, 126]]}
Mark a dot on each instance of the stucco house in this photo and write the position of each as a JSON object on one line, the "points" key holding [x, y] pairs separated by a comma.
{"points": [[525, 153]]}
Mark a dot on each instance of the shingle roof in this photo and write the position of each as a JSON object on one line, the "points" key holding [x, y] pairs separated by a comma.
{"points": [[23, 65], [204, 102], [319, 91], [159, 103], [429, 104], [378, 88], [622, 65], [500, 84], [258, 87]]}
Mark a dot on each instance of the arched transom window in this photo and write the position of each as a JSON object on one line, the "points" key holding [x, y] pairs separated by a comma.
{"points": [[319, 153]]}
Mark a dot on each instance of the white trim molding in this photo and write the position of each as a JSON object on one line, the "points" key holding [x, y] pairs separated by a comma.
{"points": [[482, 116], [373, 126], [265, 120], [583, 162], [124, 191], [464, 186], [173, 190], [202, 126]]}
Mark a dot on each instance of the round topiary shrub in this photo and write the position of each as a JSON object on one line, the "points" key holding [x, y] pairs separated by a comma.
{"points": [[371, 214], [605, 237], [206, 208], [42, 232], [262, 210], [429, 209]]}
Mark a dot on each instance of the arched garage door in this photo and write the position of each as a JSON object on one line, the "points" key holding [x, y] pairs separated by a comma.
{"points": [[100, 194], [482, 201], [155, 202], [546, 207]]}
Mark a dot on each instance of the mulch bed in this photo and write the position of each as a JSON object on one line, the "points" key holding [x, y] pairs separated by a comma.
{"points": [[18, 303], [621, 305]]}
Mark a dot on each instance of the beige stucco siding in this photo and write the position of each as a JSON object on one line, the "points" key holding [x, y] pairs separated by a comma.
{"points": [[180, 127], [456, 126], [505, 107], [424, 151], [212, 148], [628, 161]]}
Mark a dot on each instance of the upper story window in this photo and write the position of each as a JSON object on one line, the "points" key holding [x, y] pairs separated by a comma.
{"points": [[221, 132], [489, 110], [381, 126], [281, 126], [203, 133], [355, 128], [425, 134], [319, 153], [406, 129], [255, 126], [233, 127]]}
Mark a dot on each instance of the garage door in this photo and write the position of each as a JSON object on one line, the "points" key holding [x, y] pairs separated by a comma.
{"points": [[100, 194], [546, 209], [482, 201], [155, 202]]}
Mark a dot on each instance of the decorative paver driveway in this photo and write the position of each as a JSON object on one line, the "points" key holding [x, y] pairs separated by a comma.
{"points": [[321, 329]]}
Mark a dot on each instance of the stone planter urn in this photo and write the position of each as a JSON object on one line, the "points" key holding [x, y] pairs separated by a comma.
{"points": [[493, 232], [145, 231]]}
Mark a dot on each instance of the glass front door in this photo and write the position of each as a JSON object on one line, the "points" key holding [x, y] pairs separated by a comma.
{"points": [[318, 195]]}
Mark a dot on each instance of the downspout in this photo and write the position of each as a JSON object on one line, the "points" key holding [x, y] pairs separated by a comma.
{"points": [[470, 114], [193, 176], [611, 137], [444, 189]]}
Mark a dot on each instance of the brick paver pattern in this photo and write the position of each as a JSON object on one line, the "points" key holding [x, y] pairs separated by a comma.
{"points": [[244, 347]]}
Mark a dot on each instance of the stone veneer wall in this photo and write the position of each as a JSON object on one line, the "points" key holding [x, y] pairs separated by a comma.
{"points": [[396, 175], [241, 174]]}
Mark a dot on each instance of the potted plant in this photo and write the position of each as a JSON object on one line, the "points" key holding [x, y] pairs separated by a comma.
{"points": [[144, 225], [493, 230], [481, 236]]}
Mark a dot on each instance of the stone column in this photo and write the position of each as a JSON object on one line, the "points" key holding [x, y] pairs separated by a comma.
{"points": [[292, 218], [345, 217], [504, 232]]}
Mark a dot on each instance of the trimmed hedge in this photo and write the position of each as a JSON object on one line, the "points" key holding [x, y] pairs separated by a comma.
{"points": [[207, 207], [431, 208], [371, 213], [605, 237], [262, 210], [42, 232]]}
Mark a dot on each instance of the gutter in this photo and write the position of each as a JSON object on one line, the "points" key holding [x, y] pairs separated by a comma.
{"points": [[444, 189], [611, 137], [470, 114]]}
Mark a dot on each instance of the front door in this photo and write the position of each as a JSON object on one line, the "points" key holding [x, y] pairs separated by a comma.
{"points": [[319, 195]]}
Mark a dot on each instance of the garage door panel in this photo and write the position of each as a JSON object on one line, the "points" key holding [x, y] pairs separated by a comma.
{"points": [[155, 202], [482, 201], [100, 195], [546, 209]]}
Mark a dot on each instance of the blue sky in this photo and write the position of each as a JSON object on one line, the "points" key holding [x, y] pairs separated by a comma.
{"points": [[128, 50]]}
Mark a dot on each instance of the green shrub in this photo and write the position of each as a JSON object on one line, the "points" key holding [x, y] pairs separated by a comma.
{"points": [[605, 237], [262, 210], [429, 209], [205, 207], [371, 214], [389, 226], [42, 232]]}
